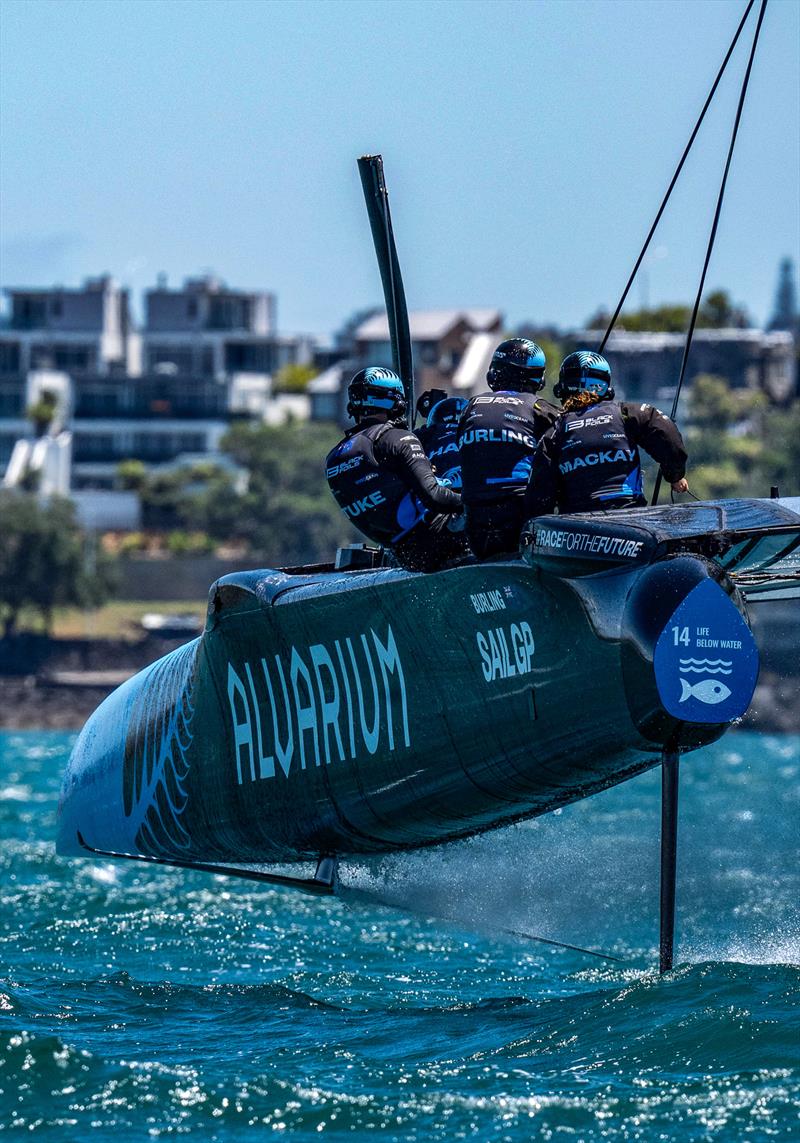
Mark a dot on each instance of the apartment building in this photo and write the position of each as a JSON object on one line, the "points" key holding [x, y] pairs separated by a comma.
{"points": [[646, 366], [205, 329], [207, 355], [80, 331]]}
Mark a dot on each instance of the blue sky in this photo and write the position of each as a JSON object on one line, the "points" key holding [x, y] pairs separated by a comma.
{"points": [[527, 145]]}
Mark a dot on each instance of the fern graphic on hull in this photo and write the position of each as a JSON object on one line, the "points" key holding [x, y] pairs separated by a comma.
{"points": [[156, 761]]}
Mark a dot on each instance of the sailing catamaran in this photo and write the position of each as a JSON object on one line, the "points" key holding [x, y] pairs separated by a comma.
{"points": [[311, 721]]}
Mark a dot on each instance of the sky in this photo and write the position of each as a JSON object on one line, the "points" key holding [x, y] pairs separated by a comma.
{"points": [[527, 145]]}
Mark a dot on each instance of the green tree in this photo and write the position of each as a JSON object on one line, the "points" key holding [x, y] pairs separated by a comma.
{"points": [[294, 378], [739, 445], [286, 511], [43, 560], [131, 475], [717, 311], [779, 461], [42, 412]]}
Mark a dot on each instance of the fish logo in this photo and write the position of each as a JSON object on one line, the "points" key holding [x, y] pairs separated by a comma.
{"points": [[709, 691]]}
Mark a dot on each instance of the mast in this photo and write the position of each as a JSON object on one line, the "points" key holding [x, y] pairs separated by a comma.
{"points": [[376, 196]]}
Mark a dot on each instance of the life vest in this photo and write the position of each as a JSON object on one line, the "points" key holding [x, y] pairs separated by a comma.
{"points": [[376, 501], [597, 465], [497, 439], [441, 448]]}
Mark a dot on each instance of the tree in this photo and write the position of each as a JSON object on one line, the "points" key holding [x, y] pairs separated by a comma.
{"points": [[286, 512], [42, 559], [779, 462], [42, 412], [738, 444], [294, 378], [132, 475], [717, 311]]}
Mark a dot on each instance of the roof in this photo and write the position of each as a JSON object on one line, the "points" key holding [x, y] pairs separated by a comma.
{"points": [[649, 341], [430, 325], [329, 381], [472, 368]]}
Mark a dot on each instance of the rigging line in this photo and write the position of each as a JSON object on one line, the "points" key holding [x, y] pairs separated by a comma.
{"points": [[712, 236], [675, 177]]}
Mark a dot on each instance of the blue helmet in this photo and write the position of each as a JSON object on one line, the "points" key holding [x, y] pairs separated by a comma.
{"points": [[376, 390], [584, 372], [518, 365], [447, 412]]}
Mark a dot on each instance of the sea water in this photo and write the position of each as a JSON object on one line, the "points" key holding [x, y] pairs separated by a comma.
{"points": [[144, 1004]]}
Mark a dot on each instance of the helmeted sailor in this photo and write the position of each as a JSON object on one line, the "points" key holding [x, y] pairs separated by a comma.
{"points": [[384, 483], [439, 438], [427, 400], [497, 438], [589, 460]]}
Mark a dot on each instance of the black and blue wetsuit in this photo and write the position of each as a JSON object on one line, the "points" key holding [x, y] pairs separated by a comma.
{"points": [[384, 483], [497, 438], [440, 442], [589, 460]]}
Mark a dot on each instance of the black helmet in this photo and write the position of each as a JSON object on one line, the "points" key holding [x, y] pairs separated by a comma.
{"points": [[584, 372], [376, 390], [447, 411], [427, 400], [517, 364]]}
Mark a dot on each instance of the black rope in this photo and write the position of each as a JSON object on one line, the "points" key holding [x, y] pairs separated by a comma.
{"points": [[687, 347], [675, 177]]}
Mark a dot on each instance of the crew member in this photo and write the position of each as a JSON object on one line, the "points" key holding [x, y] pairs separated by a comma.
{"points": [[427, 400], [439, 438], [384, 483], [589, 460], [497, 439]]}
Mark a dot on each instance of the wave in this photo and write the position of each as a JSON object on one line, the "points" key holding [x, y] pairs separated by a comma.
{"points": [[504, 1066]]}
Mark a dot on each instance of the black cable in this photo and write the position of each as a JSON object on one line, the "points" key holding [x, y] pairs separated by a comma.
{"points": [[714, 225], [678, 170]]}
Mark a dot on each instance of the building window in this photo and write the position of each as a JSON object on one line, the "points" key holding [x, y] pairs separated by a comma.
{"points": [[180, 357], [7, 441], [229, 313], [97, 401], [29, 313], [12, 400], [192, 442], [249, 357], [9, 357], [94, 447], [207, 361], [56, 307], [191, 308], [73, 358]]}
